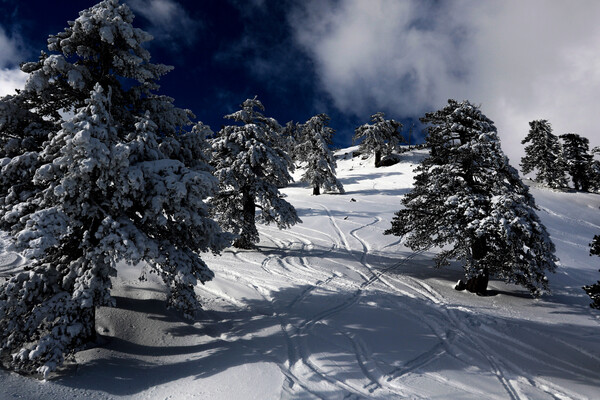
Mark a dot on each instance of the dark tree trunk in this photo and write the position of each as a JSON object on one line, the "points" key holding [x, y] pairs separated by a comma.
{"points": [[243, 243], [316, 190], [377, 158], [478, 283], [249, 209], [88, 334], [580, 182], [479, 248]]}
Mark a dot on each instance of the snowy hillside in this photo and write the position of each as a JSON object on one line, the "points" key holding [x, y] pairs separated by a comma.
{"points": [[333, 309]]}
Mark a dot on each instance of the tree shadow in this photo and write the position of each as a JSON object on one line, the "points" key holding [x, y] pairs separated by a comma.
{"points": [[351, 179], [319, 212], [382, 192], [520, 295], [358, 177]]}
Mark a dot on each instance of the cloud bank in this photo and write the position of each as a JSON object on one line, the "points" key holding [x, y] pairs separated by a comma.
{"points": [[519, 60]]}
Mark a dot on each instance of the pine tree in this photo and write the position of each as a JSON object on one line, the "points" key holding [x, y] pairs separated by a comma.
{"points": [[381, 137], [544, 155], [576, 153], [320, 162], [101, 46], [250, 170], [100, 188], [594, 290], [291, 137], [280, 140], [468, 200]]}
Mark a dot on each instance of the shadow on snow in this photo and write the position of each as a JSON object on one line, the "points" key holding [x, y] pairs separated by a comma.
{"points": [[342, 334]]}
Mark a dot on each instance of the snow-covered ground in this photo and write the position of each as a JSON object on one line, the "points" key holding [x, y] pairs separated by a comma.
{"points": [[334, 309]]}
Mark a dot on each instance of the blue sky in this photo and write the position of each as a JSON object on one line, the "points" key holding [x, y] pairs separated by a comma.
{"points": [[519, 60]]}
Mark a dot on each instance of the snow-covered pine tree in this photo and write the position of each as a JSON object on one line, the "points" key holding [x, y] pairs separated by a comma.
{"points": [[100, 46], [320, 162], [191, 148], [381, 137], [250, 170], [99, 189], [594, 290], [544, 155], [579, 160], [468, 200], [291, 136]]}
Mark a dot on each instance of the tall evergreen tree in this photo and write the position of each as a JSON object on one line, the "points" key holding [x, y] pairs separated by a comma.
{"points": [[544, 155], [250, 170], [381, 137], [99, 188], [576, 153], [320, 162], [468, 200], [594, 290]]}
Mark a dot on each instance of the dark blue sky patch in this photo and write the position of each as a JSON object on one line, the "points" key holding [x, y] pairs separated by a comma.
{"points": [[223, 53]]}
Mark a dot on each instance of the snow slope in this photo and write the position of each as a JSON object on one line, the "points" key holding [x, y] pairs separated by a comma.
{"points": [[334, 309]]}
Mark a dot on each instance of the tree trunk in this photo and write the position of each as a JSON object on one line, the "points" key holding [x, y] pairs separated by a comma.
{"points": [[88, 334], [243, 243], [249, 209], [316, 190], [479, 248], [478, 283], [377, 158]]}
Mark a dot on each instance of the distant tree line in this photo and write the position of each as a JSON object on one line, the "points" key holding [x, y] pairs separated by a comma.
{"points": [[552, 160]]}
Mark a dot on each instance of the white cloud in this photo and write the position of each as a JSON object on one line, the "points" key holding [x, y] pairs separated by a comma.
{"points": [[519, 60], [9, 49], [170, 21], [11, 77], [372, 54]]}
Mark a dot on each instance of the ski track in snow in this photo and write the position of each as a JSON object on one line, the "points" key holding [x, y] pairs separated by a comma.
{"points": [[576, 221], [454, 335], [302, 371]]}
